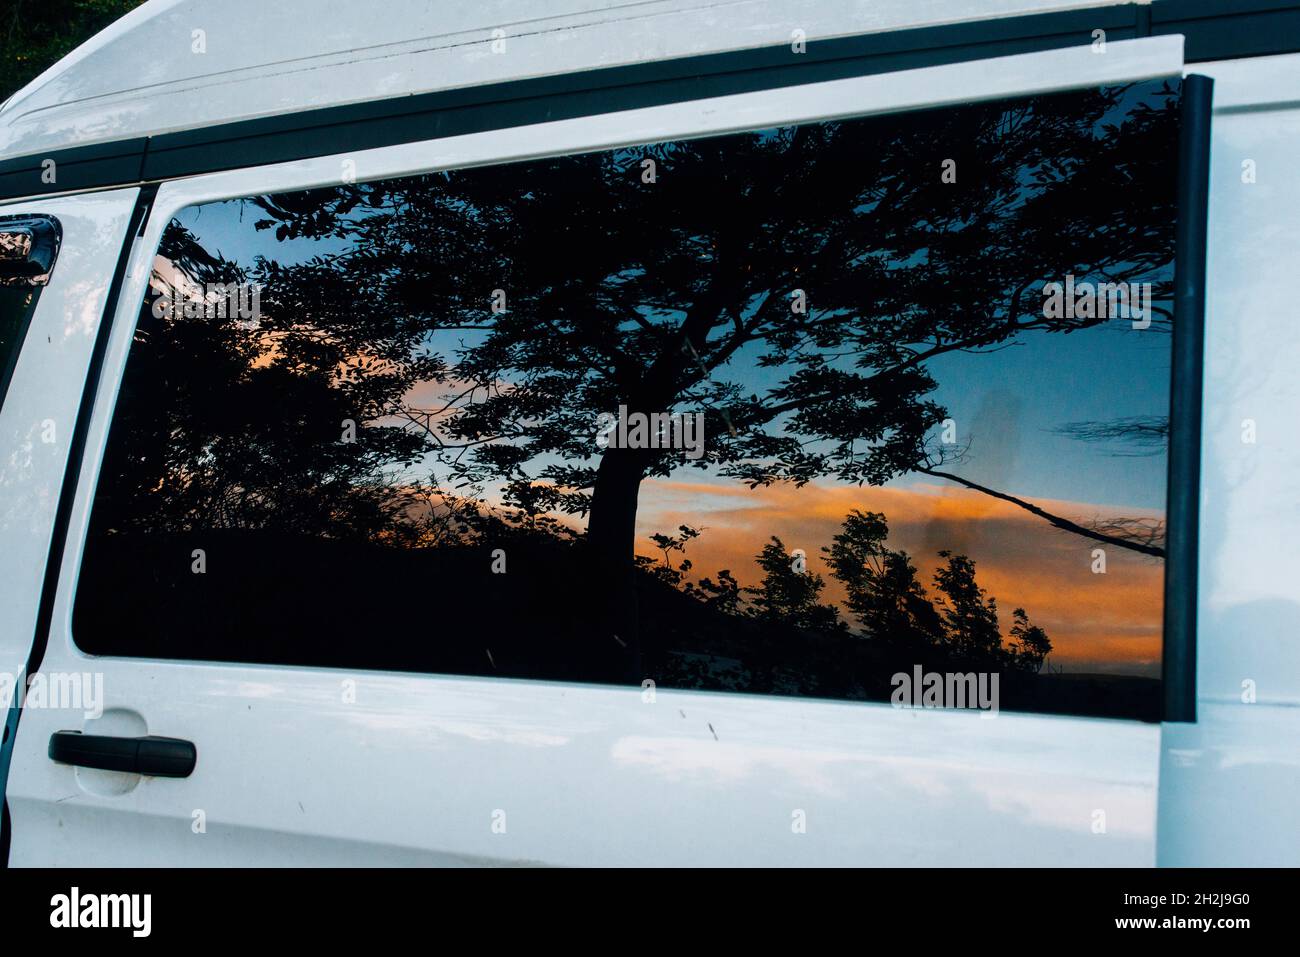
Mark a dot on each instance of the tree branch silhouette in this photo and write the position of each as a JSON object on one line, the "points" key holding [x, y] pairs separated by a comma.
{"points": [[1056, 521]]}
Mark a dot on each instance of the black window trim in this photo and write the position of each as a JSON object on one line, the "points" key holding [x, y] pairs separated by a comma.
{"points": [[1183, 487]]}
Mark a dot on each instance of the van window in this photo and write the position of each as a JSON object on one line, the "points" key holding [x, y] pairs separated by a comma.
{"points": [[17, 304], [820, 410], [29, 246]]}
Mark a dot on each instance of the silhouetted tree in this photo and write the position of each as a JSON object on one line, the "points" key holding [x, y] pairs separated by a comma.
{"points": [[970, 618], [226, 423], [36, 35], [883, 592], [1029, 643], [788, 594], [882, 588], [723, 595], [667, 545]]}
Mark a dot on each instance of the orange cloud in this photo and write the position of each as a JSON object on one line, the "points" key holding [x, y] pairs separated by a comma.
{"points": [[1110, 621]]}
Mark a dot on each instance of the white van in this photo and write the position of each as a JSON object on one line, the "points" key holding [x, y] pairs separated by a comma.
{"points": [[603, 433]]}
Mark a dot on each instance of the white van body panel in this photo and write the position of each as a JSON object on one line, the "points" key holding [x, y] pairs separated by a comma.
{"points": [[1229, 782], [39, 414], [437, 770], [418, 769], [40, 409], [144, 76], [1250, 490]]}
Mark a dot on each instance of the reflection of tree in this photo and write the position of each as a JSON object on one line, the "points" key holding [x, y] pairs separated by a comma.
{"points": [[881, 585], [231, 424], [882, 592], [667, 295], [650, 294], [789, 593], [1133, 534], [1129, 437], [1029, 643], [1135, 434]]}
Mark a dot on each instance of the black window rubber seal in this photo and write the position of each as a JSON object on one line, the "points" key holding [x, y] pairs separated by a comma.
{"points": [[1182, 513]]}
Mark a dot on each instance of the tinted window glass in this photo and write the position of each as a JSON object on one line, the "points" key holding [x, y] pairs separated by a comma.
{"points": [[29, 246], [17, 303], [794, 411]]}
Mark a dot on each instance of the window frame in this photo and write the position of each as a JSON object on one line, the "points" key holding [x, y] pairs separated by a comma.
{"points": [[905, 91]]}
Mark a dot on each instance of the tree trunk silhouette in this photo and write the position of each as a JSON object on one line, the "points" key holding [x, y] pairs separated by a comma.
{"points": [[611, 542]]}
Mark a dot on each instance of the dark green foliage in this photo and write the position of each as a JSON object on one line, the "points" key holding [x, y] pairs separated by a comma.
{"points": [[36, 34]]}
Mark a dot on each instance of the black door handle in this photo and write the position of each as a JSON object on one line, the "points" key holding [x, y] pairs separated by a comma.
{"points": [[158, 757]]}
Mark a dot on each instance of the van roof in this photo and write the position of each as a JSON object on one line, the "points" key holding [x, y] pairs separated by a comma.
{"points": [[182, 87], [174, 65]]}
